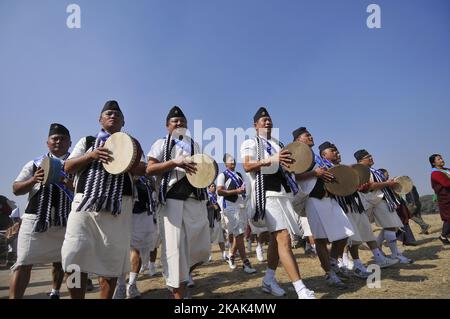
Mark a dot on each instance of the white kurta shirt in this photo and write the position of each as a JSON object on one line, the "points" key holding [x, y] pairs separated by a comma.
{"points": [[157, 152]]}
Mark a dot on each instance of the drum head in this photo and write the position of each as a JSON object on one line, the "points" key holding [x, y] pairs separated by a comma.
{"points": [[52, 170], [363, 173], [303, 155], [123, 152], [206, 171], [404, 185], [346, 181]]}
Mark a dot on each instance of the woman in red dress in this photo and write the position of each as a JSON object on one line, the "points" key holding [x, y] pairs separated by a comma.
{"points": [[440, 181]]}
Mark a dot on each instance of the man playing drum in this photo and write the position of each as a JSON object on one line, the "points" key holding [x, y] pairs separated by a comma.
{"points": [[43, 226], [354, 208], [381, 204], [271, 193], [98, 231], [326, 218], [183, 217]]}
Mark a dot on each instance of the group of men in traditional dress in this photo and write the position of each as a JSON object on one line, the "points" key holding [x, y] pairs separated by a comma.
{"points": [[94, 222]]}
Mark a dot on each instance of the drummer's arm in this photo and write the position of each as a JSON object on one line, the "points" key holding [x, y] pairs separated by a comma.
{"points": [[73, 165], [22, 188], [319, 172], [305, 176], [221, 191], [139, 169], [26, 184], [381, 185], [155, 167], [251, 165]]}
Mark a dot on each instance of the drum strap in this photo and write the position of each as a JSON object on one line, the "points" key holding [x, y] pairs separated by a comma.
{"points": [[260, 197], [322, 162], [90, 142], [389, 195], [103, 191]]}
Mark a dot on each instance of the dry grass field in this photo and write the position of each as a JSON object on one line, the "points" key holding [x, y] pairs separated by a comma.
{"points": [[427, 277]]}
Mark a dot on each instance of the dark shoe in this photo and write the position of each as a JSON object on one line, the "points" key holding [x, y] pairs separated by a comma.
{"points": [[247, 266], [53, 296], [425, 230], [410, 244], [444, 240], [311, 252]]}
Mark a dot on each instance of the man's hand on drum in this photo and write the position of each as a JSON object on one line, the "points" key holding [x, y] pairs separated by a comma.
{"points": [[324, 175], [187, 164], [285, 158], [101, 154], [38, 176], [391, 183]]}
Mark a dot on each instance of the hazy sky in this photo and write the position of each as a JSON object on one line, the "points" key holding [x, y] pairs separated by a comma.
{"points": [[312, 63]]}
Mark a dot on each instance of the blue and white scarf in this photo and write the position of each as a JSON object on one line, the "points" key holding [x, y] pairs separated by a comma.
{"points": [[237, 181], [213, 214], [103, 191], [389, 196], [212, 197], [260, 194]]}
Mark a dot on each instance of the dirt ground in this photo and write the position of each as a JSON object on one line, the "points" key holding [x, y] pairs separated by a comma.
{"points": [[427, 277]]}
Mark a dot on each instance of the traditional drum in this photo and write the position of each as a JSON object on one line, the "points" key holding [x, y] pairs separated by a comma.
{"points": [[363, 173], [346, 180], [207, 170], [404, 185], [52, 170], [303, 156], [124, 151]]}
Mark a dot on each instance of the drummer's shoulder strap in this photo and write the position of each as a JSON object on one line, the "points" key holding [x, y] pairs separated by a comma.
{"points": [[90, 141], [192, 147]]}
